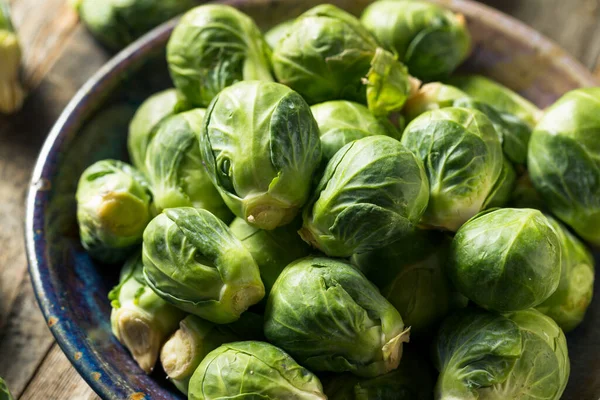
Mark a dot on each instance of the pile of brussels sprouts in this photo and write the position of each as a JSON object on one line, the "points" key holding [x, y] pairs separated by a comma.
{"points": [[304, 203]]}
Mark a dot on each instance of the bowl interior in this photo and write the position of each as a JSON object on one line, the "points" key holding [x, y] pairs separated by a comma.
{"points": [[72, 289]]}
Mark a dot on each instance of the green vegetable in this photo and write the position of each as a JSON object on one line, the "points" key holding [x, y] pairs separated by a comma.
{"points": [[564, 161], [463, 159], [192, 260], [373, 191], [328, 55], [175, 167], [429, 39], [213, 47], [503, 188], [117, 23], [329, 317], [253, 370], [146, 120], [431, 96], [11, 91], [525, 196], [507, 259], [261, 146], [485, 356], [411, 274], [140, 319], [113, 208], [272, 250], [278, 32], [4, 392], [411, 381], [568, 304], [341, 122]]}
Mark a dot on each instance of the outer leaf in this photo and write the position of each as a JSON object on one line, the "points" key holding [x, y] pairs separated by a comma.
{"points": [[504, 187]]}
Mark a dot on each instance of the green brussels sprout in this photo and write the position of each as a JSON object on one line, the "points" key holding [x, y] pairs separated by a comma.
{"points": [[4, 392], [140, 319], [329, 317], [327, 54], [113, 209], [373, 191], [11, 90], [564, 161], [431, 96], [261, 146], [429, 39], [411, 381], [146, 120], [192, 260], [463, 159], [213, 47], [116, 23], [525, 196], [486, 356], [175, 167], [514, 133], [253, 370], [506, 259], [195, 338], [568, 303], [411, 274], [278, 32], [503, 188], [272, 250], [341, 122]]}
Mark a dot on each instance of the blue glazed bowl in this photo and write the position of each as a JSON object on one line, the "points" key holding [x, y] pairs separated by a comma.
{"points": [[72, 289]]}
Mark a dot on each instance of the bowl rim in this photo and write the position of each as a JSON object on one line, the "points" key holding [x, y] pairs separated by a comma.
{"points": [[72, 116]]}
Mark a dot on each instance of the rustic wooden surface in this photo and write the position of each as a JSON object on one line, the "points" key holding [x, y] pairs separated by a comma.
{"points": [[59, 56]]}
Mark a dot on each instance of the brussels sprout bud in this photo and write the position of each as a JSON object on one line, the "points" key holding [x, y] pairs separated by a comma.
{"points": [[503, 189], [261, 153], [146, 120], [140, 319], [4, 392], [567, 306], [215, 46], [373, 191], [564, 161], [175, 167], [192, 260], [430, 40], [341, 122], [113, 208], [11, 91], [329, 317], [507, 259], [278, 32], [253, 370], [431, 96], [462, 155]]}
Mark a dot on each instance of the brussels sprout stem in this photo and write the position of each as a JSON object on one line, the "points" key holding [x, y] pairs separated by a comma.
{"points": [[269, 217], [392, 350]]}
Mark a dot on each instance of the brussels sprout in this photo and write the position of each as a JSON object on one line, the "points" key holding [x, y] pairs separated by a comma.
{"points": [[341, 122], [411, 274], [430, 40], [116, 23], [4, 392], [140, 319], [431, 96], [215, 46], [253, 370], [564, 161], [195, 338], [506, 260], [411, 381], [568, 304], [503, 189], [192, 260], [326, 55], [485, 356], [113, 208], [373, 191], [175, 167], [329, 317], [525, 196], [11, 91], [463, 159], [272, 250], [261, 146], [146, 120], [278, 32]]}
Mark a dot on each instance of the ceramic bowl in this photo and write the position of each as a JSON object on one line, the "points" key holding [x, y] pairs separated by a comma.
{"points": [[72, 289]]}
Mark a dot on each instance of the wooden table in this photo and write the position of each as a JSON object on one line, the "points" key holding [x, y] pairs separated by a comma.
{"points": [[59, 56]]}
